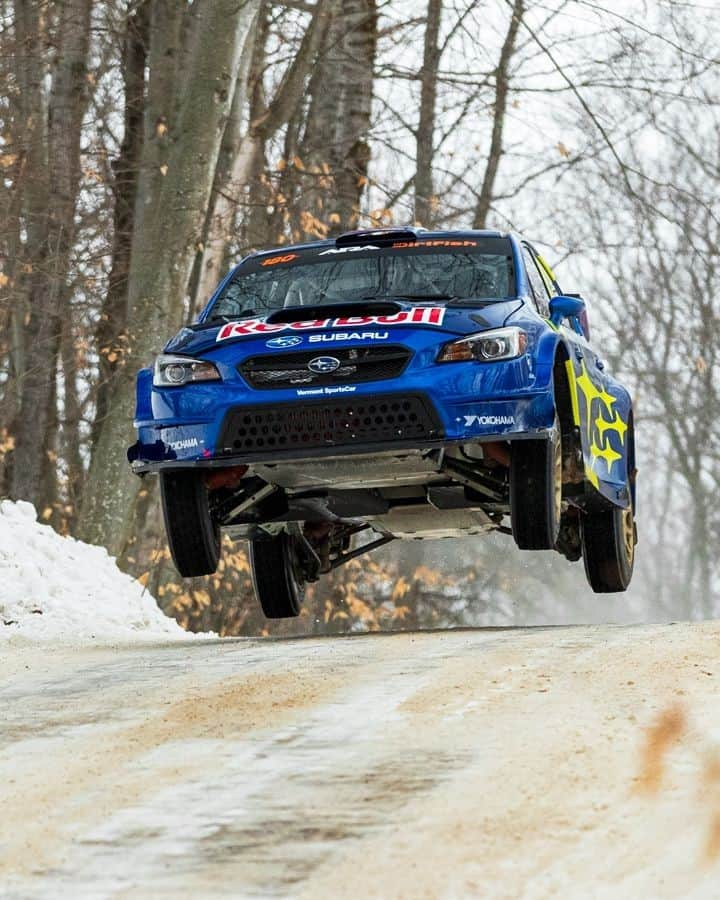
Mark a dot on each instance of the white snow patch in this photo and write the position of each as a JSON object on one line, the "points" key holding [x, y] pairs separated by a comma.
{"points": [[55, 588]]}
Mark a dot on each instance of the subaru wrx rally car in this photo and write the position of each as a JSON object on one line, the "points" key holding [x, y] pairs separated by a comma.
{"points": [[388, 384]]}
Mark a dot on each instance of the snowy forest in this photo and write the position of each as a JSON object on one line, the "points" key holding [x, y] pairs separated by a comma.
{"points": [[147, 145]]}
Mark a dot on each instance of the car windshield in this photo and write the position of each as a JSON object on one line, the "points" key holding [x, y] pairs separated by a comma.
{"points": [[455, 270]]}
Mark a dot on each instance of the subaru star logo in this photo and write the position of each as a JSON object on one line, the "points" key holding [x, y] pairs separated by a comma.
{"points": [[289, 340], [323, 365]]}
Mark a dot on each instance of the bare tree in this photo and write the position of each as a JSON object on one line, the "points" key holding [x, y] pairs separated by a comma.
{"points": [[172, 200], [330, 171], [425, 199], [243, 152], [502, 87], [111, 328], [52, 176]]}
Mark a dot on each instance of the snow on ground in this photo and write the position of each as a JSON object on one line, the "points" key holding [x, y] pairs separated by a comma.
{"points": [[56, 588]]}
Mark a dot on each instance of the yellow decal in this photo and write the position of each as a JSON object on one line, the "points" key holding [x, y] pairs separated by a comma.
{"points": [[617, 425], [607, 453], [599, 428], [573, 392], [546, 266]]}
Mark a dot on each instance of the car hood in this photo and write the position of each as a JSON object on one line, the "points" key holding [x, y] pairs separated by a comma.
{"points": [[453, 320]]}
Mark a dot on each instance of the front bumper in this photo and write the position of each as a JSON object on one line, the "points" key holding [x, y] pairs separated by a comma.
{"points": [[188, 427]]}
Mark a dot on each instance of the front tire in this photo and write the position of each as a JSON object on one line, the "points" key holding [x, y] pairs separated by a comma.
{"points": [[279, 586], [193, 536], [536, 492], [608, 544]]}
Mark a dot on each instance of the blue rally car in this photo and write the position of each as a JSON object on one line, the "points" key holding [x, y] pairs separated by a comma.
{"points": [[396, 383]]}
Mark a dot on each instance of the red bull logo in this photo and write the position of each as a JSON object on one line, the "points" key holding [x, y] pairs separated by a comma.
{"points": [[420, 315]]}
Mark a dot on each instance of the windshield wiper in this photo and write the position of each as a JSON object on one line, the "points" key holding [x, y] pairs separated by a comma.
{"points": [[412, 297], [451, 300], [477, 301]]}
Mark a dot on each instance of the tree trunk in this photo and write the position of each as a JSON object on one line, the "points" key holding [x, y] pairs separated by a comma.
{"points": [[425, 199], [110, 332], [352, 150], [334, 151], [232, 171], [30, 203], [502, 85], [70, 424], [247, 150], [12, 304], [51, 206], [173, 202]]}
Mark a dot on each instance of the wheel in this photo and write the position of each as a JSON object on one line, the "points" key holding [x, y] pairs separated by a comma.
{"points": [[608, 545], [193, 536], [278, 583], [536, 492]]}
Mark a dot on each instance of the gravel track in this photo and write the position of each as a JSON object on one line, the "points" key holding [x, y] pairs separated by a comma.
{"points": [[529, 763]]}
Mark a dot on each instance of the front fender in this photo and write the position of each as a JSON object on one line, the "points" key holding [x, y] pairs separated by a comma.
{"points": [[546, 353], [143, 395]]}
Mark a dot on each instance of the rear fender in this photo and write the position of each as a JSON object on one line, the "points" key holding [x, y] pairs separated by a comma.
{"points": [[602, 411]]}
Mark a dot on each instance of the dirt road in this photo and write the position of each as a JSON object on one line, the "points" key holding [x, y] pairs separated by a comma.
{"points": [[577, 762]]}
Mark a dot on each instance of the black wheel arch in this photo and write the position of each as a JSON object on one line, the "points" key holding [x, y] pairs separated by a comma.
{"points": [[562, 393]]}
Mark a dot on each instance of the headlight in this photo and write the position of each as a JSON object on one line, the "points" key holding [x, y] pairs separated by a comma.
{"points": [[486, 346], [174, 371]]}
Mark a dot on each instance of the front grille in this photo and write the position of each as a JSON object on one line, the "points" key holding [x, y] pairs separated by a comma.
{"points": [[335, 423], [357, 364]]}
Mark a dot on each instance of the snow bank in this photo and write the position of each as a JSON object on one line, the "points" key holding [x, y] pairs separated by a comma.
{"points": [[56, 588]]}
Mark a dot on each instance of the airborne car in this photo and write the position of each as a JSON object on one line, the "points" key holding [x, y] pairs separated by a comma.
{"points": [[395, 383]]}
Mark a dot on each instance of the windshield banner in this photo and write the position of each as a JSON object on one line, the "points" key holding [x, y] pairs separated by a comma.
{"points": [[419, 315]]}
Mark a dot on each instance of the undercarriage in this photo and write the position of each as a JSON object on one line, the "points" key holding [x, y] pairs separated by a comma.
{"points": [[411, 495], [306, 515], [304, 518]]}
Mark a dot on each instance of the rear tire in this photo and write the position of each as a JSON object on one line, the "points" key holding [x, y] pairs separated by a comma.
{"points": [[608, 543], [536, 492], [193, 536], [278, 584]]}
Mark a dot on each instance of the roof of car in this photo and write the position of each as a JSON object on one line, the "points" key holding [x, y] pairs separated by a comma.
{"points": [[370, 234]]}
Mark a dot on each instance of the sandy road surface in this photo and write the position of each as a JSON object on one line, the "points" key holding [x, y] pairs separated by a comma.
{"points": [[508, 763]]}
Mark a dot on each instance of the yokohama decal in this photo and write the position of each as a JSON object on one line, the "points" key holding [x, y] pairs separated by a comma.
{"points": [[420, 315]]}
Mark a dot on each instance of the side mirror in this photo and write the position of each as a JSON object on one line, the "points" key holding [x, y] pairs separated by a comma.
{"points": [[565, 307]]}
